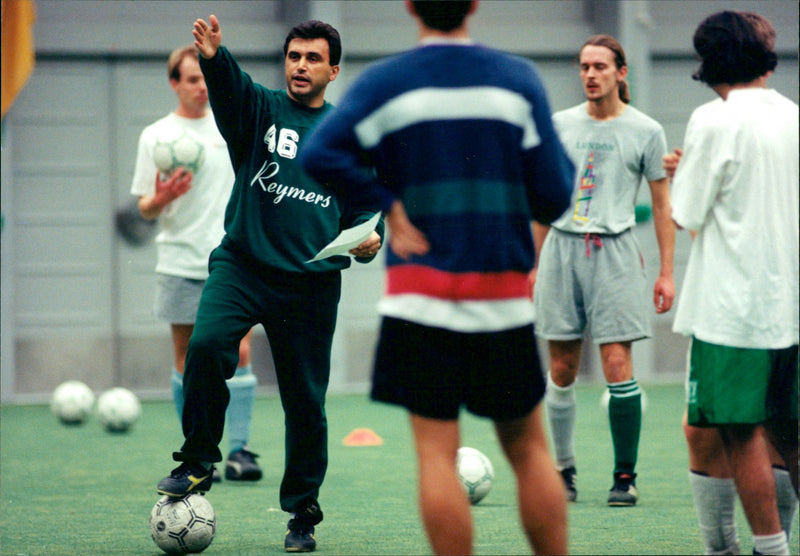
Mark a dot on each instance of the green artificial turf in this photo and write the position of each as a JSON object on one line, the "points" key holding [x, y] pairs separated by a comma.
{"points": [[81, 490]]}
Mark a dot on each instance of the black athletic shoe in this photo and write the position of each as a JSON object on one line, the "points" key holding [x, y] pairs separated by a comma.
{"points": [[624, 492], [241, 466], [300, 530], [568, 474], [187, 478]]}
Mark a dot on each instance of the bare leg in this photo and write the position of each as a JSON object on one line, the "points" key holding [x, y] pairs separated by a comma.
{"points": [[444, 505], [541, 497], [784, 439], [752, 471], [180, 343]]}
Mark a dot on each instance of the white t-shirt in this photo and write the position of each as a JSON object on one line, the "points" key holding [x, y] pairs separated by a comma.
{"points": [[611, 157], [737, 185], [191, 225]]}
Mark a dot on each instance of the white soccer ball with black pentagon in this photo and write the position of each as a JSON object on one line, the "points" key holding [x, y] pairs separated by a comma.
{"points": [[475, 472], [178, 148], [118, 409], [72, 402], [183, 525]]}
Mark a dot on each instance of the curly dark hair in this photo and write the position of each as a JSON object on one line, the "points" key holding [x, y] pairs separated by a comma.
{"points": [[734, 47]]}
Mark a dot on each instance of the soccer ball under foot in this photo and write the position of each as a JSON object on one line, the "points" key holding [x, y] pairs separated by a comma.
{"points": [[183, 525]]}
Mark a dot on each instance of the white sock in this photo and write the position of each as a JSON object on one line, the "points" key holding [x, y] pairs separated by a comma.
{"points": [[242, 388], [787, 499], [561, 410], [771, 544], [715, 501]]}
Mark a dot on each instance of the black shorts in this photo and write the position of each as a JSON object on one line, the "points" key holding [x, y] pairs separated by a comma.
{"points": [[433, 372]]}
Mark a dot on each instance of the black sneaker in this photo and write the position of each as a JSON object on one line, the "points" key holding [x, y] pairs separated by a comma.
{"points": [[187, 478], [624, 492], [241, 466], [568, 474], [300, 530]]}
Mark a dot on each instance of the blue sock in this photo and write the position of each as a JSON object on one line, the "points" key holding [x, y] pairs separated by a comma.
{"points": [[177, 392], [242, 388]]}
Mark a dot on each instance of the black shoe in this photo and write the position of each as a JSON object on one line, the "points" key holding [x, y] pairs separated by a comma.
{"points": [[187, 478], [568, 474], [241, 466], [624, 492], [300, 530]]}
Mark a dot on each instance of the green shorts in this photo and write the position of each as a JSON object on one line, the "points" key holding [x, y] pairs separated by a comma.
{"points": [[730, 385]]}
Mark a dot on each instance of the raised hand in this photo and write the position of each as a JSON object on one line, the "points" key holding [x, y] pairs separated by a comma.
{"points": [[207, 37]]}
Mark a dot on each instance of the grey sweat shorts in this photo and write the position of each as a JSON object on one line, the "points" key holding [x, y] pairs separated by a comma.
{"points": [[597, 281], [177, 298]]}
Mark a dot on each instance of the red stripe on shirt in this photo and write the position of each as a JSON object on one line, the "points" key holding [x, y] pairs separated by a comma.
{"points": [[423, 280]]}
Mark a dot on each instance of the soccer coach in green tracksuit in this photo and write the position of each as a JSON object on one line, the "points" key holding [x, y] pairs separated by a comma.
{"points": [[277, 219]]}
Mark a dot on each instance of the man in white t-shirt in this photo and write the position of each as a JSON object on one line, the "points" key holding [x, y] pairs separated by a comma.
{"points": [[190, 208], [737, 190]]}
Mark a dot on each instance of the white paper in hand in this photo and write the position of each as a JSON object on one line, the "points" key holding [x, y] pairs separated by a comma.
{"points": [[348, 239]]}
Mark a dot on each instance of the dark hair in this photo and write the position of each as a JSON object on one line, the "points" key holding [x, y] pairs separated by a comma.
{"points": [[734, 47], [442, 15], [314, 29], [175, 59], [619, 59]]}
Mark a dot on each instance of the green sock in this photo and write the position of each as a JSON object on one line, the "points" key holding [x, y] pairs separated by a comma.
{"points": [[625, 418]]}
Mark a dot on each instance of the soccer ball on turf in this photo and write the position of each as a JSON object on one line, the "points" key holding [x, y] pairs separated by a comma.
{"points": [[475, 472], [118, 409], [183, 525], [178, 149], [72, 402]]}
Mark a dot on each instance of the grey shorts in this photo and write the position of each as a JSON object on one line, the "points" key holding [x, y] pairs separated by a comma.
{"points": [[177, 298], [599, 281]]}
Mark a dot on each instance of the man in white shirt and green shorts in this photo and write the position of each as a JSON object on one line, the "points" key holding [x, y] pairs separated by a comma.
{"points": [[737, 188]]}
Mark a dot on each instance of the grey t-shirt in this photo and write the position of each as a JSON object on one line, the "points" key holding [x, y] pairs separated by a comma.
{"points": [[611, 158]]}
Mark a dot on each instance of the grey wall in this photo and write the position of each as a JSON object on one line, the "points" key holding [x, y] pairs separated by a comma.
{"points": [[76, 297]]}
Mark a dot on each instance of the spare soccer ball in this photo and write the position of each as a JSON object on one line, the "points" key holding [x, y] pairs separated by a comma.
{"points": [[606, 397], [475, 472], [179, 149], [183, 525], [118, 409], [72, 402]]}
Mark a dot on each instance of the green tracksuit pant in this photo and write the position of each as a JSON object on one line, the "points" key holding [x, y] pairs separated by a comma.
{"points": [[298, 313]]}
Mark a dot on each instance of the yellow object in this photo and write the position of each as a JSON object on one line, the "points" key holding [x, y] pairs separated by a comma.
{"points": [[18, 54]]}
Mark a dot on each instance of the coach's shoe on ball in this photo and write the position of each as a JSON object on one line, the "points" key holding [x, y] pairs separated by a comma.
{"points": [[624, 492], [568, 475], [241, 466], [300, 530], [187, 478]]}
